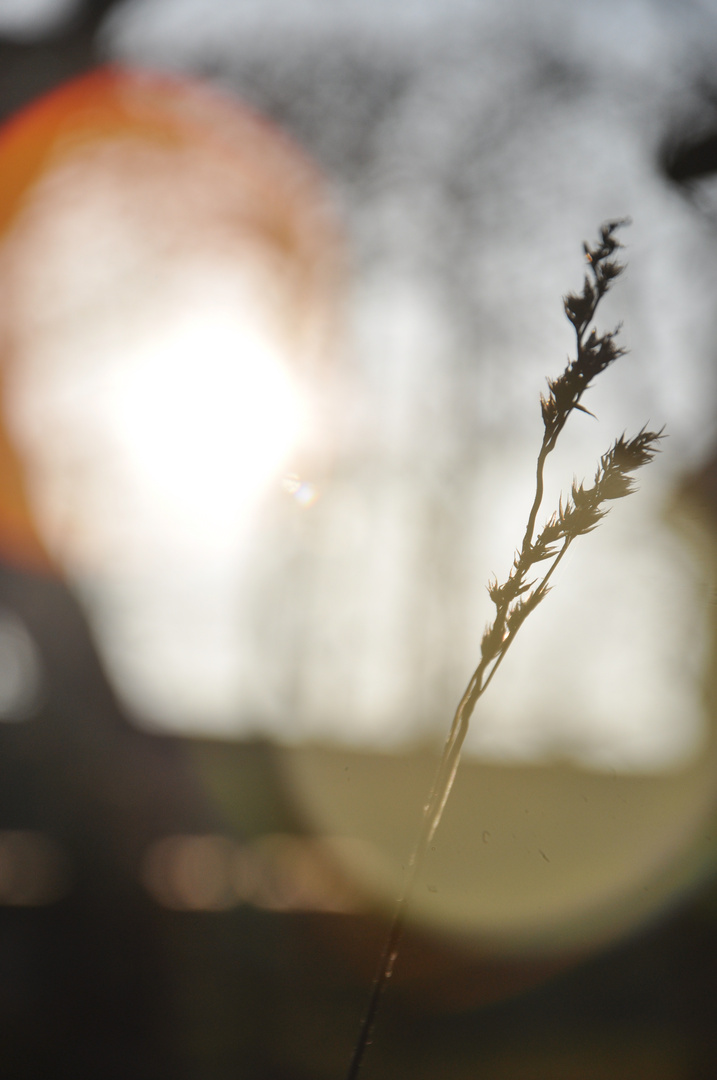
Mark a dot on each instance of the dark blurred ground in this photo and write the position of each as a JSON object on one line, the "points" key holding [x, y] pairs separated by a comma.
{"points": [[103, 980]]}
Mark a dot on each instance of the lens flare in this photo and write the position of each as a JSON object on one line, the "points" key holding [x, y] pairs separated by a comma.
{"points": [[169, 262]]}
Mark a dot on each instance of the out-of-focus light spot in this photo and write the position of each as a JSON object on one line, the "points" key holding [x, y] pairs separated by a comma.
{"points": [[275, 873], [189, 422], [154, 394], [169, 261], [191, 873], [302, 491], [26, 20], [298, 875], [33, 870], [20, 670], [244, 412]]}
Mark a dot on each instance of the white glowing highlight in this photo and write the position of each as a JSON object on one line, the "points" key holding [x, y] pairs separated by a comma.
{"points": [[208, 414], [156, 399], [162, 452]]}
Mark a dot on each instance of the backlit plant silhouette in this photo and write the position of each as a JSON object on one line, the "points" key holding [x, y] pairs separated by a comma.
{"points": [[528, 580]]}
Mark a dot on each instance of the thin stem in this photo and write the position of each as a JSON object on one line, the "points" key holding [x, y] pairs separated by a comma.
{"points": [[539, 487], [384, 973], [556, 562], [432, 813]]}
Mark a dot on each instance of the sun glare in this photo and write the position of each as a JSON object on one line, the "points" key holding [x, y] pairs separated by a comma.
{"points": [[208, 413], [168, 263]]}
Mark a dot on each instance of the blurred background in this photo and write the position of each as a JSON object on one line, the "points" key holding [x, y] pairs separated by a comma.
{"points": [[280, 285]]}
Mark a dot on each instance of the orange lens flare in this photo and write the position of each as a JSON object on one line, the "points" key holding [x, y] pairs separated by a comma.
{"points": [[207, 174]]}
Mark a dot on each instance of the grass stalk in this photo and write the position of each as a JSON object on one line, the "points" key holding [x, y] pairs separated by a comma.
{"points": [[517, 596]]}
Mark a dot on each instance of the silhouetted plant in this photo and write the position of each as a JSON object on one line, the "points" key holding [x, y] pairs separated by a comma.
{"points": [[577, 514]]}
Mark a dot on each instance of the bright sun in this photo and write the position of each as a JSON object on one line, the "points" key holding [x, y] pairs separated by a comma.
{"points": [[170, 275]]}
